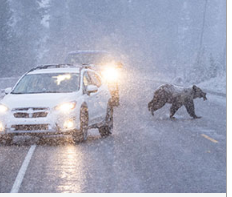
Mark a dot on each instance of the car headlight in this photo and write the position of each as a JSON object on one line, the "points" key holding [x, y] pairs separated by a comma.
{"points": [[1, 127], [110, 74], [66, 107], [3, 108], [69, 124]]}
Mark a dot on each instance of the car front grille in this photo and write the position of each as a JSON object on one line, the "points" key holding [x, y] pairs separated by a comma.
{"points": [[30, 112], [21, 115], [33, 108], [36, 127], [33, 115], [39, 114]]}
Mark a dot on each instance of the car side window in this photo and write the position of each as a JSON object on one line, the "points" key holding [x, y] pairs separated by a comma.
{"points": [[96, 80]]}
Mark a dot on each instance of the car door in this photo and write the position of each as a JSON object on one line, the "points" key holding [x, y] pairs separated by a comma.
{"points": [[90, 99], [102, 96]]}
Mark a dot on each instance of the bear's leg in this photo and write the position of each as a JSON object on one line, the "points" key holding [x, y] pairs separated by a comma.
{"points": [[189, 105], [158, 101], [174, 108], [150, 105], [157, 105], [152, 102]]}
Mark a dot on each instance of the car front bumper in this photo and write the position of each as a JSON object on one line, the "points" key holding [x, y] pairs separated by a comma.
{"points": [[50, 125]]}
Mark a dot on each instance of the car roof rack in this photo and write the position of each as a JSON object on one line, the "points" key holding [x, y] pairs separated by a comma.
{"points": [[87, 51], [61, 66]]}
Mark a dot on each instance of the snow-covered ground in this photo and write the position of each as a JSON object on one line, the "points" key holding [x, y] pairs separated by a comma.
{"points": [[216, 88], [217, 84]]}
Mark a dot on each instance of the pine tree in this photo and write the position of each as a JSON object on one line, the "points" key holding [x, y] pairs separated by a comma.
{"points": [[5, 18], [27, 29], [213, 68]]}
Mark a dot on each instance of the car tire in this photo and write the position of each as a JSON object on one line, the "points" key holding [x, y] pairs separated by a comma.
{"points": [[82, 134], [106, 130], [115, 97], [115, 101]]}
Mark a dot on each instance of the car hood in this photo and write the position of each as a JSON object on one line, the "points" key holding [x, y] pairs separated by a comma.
{"points": [[37, 100]]}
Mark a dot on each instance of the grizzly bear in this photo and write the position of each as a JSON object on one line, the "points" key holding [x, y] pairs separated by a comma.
{"points": [[177, 96]]}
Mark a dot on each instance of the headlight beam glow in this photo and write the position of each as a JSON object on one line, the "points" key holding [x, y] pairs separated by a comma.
{"points": [[66, 107], [3, 108], [1, 127], [110, 74]]}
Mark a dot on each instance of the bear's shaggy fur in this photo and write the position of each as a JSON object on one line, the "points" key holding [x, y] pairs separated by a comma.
{"points": [[177, 96]]}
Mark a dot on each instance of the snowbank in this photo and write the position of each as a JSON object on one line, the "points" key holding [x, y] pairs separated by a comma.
{"points": [[216, 85]]}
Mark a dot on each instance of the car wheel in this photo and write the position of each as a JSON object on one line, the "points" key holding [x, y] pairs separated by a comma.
{"points": [[82, 134], [116, 101], [106, 130], [115, 97]]}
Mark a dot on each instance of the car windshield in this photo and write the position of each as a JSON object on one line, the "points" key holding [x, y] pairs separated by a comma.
{"points": [[89, 58], [48, 83]]}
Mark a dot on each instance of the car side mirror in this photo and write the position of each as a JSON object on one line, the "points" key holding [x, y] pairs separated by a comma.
{"points": [[91, 89], [8, 90]]}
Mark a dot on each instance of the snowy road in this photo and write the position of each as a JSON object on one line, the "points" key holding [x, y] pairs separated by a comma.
{"points": [[144, 154]]}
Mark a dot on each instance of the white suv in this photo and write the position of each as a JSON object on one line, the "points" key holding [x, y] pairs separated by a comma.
{"points": [[56, 99]]}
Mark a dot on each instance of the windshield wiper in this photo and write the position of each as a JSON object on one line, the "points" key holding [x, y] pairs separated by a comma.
{"points": [[34, 92], [18, 93], [38, 92], [51, 92]]}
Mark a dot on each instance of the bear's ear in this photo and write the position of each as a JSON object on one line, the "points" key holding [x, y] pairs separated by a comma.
{"points": [[194, 87]]}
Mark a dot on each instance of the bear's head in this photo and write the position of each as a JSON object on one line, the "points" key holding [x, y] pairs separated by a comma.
{"points": [[198, 93]]}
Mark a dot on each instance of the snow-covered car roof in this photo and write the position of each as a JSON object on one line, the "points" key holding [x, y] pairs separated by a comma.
{"points": [[56, 70]]}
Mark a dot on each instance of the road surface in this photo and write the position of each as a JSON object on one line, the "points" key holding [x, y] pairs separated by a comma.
{"points": [[144, 154]]}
